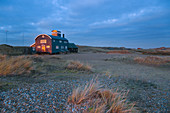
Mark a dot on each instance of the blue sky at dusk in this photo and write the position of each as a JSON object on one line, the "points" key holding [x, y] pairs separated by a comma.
{"points": [[116, 23]]}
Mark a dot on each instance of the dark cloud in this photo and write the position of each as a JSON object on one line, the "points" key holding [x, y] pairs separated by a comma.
{"points": [[130, 23]]}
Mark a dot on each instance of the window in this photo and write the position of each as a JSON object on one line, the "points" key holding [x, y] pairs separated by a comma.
{"points": [[38, 47], [48, 46], [53, 40], [33, 48], [62, 47], [57, 47], [65, 42], [60, 41], [43, 41], [65, 47]]}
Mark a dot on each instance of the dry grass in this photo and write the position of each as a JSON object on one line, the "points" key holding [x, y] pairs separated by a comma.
{"points": [[14, 66], [92, 98], [152, 60], [156, 52], [119, 52], [2, 57], [77, 65]]}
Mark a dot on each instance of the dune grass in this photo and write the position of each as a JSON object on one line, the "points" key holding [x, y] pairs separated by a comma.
{"points": [[152, 60], [92, 98], [156, 52], [77, 65], [14, 65]]}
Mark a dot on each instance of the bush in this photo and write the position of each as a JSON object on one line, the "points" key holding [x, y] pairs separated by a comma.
{"points": [[92, 98], [15, 66], [77, 65], [152, 60]]}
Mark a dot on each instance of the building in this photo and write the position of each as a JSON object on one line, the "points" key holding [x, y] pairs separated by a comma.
{"points": [[54, 43], [72, 48]]}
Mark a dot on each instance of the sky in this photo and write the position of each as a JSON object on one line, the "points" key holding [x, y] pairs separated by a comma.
{"points": [[110, 23]]}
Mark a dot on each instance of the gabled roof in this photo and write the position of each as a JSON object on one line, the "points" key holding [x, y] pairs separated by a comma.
{"points": [[72, 45], [57, 37]]}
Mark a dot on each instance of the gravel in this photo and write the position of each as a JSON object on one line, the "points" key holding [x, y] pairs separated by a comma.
{"points": [[40, 97], [52, 96]]}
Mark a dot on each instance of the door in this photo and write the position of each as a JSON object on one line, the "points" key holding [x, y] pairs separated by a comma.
{"points": [[43, 48]]}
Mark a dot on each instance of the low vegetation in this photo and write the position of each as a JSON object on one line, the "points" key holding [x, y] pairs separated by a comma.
{"points": [[92, 98], [152, 60], [77, 65], [14, 65], [14, 50], [119, 52], [154, 51]]}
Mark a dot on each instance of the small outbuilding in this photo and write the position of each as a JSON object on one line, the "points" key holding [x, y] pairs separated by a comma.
{"points": [[72, 48], [54, 43]]}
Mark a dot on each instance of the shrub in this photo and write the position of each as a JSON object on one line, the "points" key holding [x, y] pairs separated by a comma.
{"points": [[15, 66], [77, 65], [152, 60], [92, 98], [119, 52]]}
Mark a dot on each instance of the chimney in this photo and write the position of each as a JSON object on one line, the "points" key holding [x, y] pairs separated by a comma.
{"points": [[63, 36]]}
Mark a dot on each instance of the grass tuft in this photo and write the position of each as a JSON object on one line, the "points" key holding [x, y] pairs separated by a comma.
{"points": [[92, 98], [14, 66], [77, 65]]}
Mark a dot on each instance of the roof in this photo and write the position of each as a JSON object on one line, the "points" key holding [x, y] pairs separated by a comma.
{"points": [[33, 45], [57, 37], [72, 45]]}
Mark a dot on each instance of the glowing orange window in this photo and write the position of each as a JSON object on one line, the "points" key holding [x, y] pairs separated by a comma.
{"points": [[43, 41], [48, 46]]}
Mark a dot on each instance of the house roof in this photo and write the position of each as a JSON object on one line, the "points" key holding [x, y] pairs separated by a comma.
{"points": [[72, 45], [57, 37], [33, 45]]}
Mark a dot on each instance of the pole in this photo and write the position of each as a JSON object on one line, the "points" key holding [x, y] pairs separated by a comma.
{"points": [[23, 39], [6, 36]]}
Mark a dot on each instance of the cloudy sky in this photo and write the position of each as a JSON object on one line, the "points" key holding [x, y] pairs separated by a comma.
{"points": [[116, 23]]}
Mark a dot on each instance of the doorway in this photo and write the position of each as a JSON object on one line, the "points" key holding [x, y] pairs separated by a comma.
{"points": [[43, 48]]}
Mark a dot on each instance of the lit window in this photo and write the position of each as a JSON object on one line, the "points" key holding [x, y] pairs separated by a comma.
{"points": [[38, 47], [65, 47], [48, 46], [43, 41], [53, 40], [43, 36], [60, 41], [57, 47]]}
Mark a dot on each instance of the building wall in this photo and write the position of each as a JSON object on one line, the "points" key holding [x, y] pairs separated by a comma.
{"points": [[43, 44], [59, 45]]}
